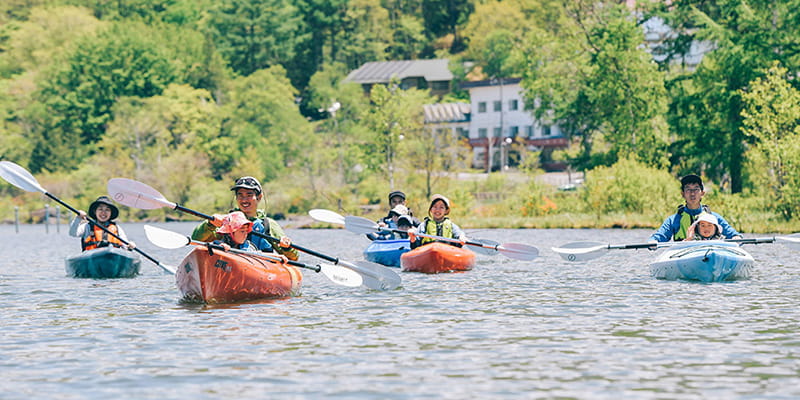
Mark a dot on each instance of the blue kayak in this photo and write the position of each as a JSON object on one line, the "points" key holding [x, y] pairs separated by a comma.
{"points": [[387, 252], [704, 261], [104, 262]]}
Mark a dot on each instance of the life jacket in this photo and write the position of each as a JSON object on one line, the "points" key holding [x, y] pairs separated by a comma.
{"points": [[97, 237], [444, 229], [686, 221]]}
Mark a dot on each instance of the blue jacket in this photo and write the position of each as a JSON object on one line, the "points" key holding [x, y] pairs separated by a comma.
{"points": [[672, 225], [258, 241]]}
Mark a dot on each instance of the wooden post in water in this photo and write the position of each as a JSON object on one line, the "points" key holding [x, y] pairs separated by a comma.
{"points": [[58, 219], [16, 218], [47, 218]]}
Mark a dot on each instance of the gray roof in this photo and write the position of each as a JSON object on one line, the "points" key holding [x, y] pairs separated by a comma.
{"points": [[383, 71], [446, 112]]}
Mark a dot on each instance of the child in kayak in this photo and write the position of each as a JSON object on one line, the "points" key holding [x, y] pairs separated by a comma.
{"points": [[391, 223], [705, 228], [437, 223], [234, 234], [404, 223], [104, 212]]}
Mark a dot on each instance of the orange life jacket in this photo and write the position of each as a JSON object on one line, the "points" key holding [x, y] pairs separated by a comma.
{"points": [[99, 238]]}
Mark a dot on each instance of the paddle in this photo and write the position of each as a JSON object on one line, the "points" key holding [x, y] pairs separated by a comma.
{"points": [[516, 251], [173, 240], [332, 217], [136, 194], [21, 178], [328, 216], [584, 251]]}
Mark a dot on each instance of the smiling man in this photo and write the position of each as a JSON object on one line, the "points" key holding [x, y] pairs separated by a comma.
{"points": [[676, 225]]}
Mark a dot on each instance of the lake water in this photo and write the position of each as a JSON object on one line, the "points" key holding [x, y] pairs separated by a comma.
{"points": [[507, 329]]}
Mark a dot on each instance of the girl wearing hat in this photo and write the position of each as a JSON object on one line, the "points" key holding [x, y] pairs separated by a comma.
{"points": [[235, 231], [104, 212], [390, 223], [437, 223], [248, 193], [706, 227]]}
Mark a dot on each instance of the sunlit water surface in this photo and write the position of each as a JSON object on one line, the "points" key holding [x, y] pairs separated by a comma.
{"points": [[507, 329]]}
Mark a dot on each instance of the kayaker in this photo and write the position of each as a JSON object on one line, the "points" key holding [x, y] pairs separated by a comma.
{"points": [[235, 231], [248, 194], [104, 212], [390, 223], [705, 228], [397, 198], [676, 226], [404, 223], [437, 223]]}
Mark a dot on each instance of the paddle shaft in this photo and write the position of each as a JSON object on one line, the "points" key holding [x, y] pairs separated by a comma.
{"points": [[272, 239], [315, 268]]}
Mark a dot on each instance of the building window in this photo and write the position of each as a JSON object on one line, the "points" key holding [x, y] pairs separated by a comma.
{"points": [[463, 133], [546, 130], [440, 85], [513, 105], [482, 107], [529, 131], [514, 131], [498, 105], [481, 132], [498, 132]]}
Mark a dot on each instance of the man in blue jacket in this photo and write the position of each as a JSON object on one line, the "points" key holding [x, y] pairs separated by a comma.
{"points": [[676, 225]]}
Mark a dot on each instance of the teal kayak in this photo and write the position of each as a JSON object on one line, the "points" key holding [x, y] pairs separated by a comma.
{"points": [[387, 252], [704, 261], [104, 262]]}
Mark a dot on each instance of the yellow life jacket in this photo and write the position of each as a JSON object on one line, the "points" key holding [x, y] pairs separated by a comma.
{"points": [[686, 221], [100, 238], [444, 229]]}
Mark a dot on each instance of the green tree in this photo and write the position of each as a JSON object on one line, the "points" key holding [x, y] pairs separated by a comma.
{"points": [[446, 17], [772, 117], [125, 60], [707, 104], [594, 80], [255, 34], [393, 115]]}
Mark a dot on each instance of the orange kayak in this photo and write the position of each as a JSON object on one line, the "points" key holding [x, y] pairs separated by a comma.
{"points": [[227, 277], [436, 257]]}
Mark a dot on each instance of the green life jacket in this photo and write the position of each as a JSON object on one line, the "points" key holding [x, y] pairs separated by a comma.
{"points": [[686, 221], [444, 229]]}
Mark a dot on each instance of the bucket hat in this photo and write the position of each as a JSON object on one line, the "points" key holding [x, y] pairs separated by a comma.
{"points": [[103, 200]]}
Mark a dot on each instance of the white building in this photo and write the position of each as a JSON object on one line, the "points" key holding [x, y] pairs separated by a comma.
{"points": [[498, 119]]}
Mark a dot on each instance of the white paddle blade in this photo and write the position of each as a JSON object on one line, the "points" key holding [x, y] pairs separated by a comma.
{"points": [[581, 251], [19, 177], [164, 238], [136, 194], [792, 242], [328, 216], [360, 225], [519, 251], [341, 276]]}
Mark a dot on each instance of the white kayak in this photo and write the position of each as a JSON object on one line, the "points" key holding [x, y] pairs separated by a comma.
{"points": [[704, 261]]}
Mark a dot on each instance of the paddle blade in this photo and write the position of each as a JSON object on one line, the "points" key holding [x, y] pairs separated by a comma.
{"points": [[519, 251], [581, 251], [341, 276], [164, 238], [359, 225], [792, 242], [136, 194], [375, 276], [328, 216], [19, 177], [487, 251]]}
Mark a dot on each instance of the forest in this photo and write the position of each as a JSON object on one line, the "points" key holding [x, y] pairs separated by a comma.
{"points": [[187, 95]]}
